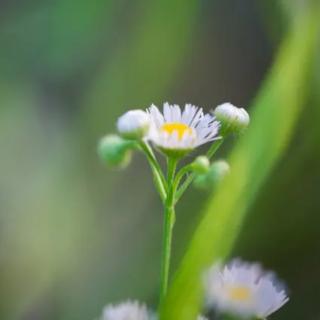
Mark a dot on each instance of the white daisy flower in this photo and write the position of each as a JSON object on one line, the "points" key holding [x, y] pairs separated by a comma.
{"points": [[130, 310], [177, 132], [134, 124], [244, 289], [233, 117]]}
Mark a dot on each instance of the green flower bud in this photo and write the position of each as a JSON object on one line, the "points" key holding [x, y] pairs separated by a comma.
{"points": [[115, 151], [218, 170], [233, 119], [201, 165]]}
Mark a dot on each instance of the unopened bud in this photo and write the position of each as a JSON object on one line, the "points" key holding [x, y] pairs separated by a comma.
{"points": [[218, 170], [134, 124], [115, 151], [232, 118], [201, 165]]}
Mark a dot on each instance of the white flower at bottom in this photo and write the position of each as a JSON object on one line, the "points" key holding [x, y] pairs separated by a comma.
{"points": [[134, 124], [244, 289], [178, 132], [130, 310], [200, 317]]}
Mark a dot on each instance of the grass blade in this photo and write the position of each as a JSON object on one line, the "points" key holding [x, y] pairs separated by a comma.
{"points": [[276, 111]]}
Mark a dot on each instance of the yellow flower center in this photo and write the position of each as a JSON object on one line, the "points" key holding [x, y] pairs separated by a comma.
{"points": [[239, 293], [178, 127]]}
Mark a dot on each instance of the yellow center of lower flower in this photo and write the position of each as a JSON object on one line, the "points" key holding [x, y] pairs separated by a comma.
{"points": [[178, 127], [239, 293]]}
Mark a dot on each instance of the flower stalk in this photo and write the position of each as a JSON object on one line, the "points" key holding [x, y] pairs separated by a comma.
{"points": [[158, 177], [174, 192], [175, 133], [168, 223]]}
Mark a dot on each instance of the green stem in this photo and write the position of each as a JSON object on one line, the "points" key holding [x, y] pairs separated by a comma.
{"points": [[191, 176], [172, 166], [159, 179], [215, 146], [168, 223], [166, 254], [185, 170]]}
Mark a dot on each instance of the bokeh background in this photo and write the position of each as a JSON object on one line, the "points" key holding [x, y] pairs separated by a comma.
{"points": [[75, 235]]}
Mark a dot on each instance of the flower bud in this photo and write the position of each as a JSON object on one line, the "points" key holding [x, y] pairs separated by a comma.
{"points": [[232, 118], [115, 151], [134, 124], [218, 170], [201, 165]]}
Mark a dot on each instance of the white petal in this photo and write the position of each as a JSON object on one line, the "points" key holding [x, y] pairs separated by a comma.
{"points": [[176, 113], [197, 117], [156, 115], [167, 112], [188, 114]]}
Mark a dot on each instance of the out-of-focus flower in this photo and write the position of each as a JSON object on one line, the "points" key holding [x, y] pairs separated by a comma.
{"points": [[134, 124], [201, 318], [232, 118], [244, 289], [177, 132], [130, 310]]}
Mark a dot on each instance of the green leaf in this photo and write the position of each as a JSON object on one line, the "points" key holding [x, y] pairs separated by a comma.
{"points": [[275, 112]]}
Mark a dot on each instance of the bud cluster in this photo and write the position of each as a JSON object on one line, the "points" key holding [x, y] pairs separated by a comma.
{"points": [[175, 132]]}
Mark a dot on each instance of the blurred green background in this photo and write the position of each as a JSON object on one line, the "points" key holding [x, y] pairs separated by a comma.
{"points": [[75, 235]]}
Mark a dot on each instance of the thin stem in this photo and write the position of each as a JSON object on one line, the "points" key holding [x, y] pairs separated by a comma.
{"points": [[215, 146], [172, 166], [191, 176], [160, 181], [185, 170], [166, 254], [168, 223]]}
